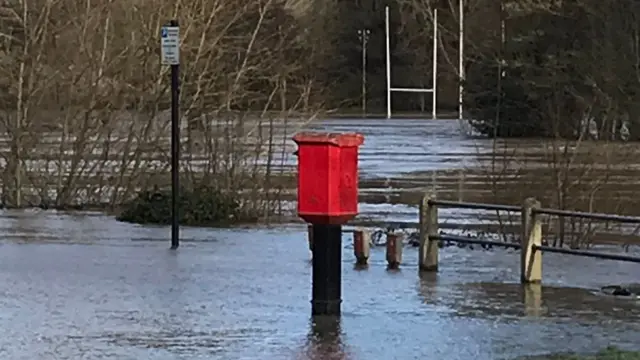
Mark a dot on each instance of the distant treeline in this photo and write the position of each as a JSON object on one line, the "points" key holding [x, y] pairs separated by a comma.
{"points": [[566, 68], [533, 67]]}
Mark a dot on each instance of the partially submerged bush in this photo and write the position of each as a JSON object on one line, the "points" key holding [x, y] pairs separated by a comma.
{"points": [[200, 206]]}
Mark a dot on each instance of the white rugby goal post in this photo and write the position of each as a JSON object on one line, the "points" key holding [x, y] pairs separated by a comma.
{"points": [[433, 89]]}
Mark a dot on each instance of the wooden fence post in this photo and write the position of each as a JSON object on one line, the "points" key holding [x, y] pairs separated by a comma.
{"points": [[530, 259], [361, 246], [428, 252], [394, 250]]}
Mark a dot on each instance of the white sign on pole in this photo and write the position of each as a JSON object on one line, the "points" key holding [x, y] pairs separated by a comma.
{"points": [[170, 45]]}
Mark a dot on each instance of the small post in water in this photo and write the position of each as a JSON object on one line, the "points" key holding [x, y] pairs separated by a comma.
{"points": [[361, 246], [170, 45], [394, 250]]}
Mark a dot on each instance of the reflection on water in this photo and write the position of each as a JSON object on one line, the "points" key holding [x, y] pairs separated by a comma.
{"points": [[324, 341], [428, 287], [532, 299], [515, 300], [493, 299]]}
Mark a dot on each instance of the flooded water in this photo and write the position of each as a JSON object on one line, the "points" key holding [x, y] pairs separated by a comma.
{"points": [[399, 160], [405, 146], [85, 286], [394, 158]]}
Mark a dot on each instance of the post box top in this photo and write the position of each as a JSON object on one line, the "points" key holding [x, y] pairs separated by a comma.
{"points": [[336, 139]]}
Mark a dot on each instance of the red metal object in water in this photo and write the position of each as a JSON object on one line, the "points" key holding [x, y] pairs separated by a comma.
{"points": [[327, 177]]}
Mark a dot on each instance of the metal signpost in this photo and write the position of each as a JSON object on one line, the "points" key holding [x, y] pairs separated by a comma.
{"points": [[364, 38], [170, 45]]}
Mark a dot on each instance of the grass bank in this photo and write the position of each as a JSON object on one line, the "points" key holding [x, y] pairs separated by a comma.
{"points": [[610, 353]]}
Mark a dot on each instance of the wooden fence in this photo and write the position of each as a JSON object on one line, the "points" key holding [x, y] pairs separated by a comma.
{"points": [[531, 240]]}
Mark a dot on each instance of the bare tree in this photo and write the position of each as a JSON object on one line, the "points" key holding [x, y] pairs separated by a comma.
{"points": [[85, 99]]}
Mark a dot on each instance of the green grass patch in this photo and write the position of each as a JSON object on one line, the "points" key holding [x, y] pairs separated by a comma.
{"points": [[610, 353]]}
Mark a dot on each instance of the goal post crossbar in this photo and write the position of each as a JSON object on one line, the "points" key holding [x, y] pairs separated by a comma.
{"points": [[411, 90]]}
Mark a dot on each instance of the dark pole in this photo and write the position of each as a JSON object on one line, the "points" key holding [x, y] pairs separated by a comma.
{"points": [[363, 34], [326, 288], [175, 151]]}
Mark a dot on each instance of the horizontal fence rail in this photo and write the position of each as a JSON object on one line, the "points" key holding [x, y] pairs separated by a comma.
{"points": [[591, 254], [591, 216], [468, 240], [399, 225], [473, 206]]}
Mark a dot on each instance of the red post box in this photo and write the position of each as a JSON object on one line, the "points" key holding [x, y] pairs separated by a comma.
{"points": [[328, 177]]}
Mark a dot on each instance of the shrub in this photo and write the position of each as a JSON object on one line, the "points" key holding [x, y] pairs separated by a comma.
{"points": [[200, 206]]}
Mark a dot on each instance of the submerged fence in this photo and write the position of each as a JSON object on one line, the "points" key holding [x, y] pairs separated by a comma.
{"points": [[531, 239]]}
